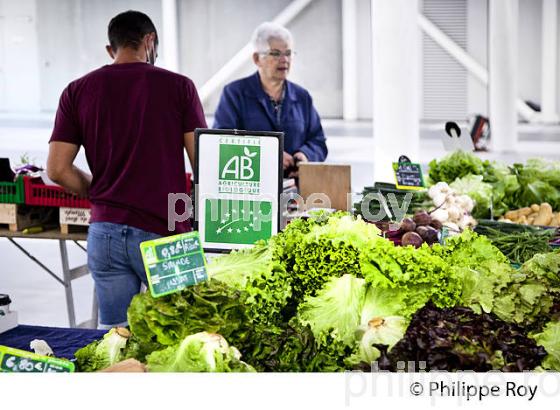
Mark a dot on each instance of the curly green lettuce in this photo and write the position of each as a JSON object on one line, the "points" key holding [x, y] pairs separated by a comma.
{"points": [[210, 306], [549, 338], [267, 285]]}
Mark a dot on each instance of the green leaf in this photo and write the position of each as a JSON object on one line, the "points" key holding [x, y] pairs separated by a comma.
{"points": [[335, 310], [456, 165], [549, 338], [201, 352], [103, 353], [265, 281]]}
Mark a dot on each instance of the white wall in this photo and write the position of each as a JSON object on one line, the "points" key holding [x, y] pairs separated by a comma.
{"points": [[73, 35], [212, 32], [44, 44], [19, 70]]}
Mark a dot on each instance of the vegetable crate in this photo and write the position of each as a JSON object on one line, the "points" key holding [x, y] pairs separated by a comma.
{"points": [[12, 192], [37, 193], [17, 217]]}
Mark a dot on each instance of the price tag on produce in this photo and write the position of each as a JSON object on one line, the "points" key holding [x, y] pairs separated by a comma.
{"points": [[173, 263], [20, 361], [408, 175]]}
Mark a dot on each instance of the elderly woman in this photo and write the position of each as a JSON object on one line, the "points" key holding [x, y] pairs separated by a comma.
{"points": [[267, 101]]}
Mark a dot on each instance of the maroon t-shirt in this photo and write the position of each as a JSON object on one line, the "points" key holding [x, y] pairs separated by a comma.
{"points": [[131, 118]]}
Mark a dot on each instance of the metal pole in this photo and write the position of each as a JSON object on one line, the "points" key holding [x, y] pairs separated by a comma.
{"points": [[95, 309], [67, 283], [349, 60], [37, 261]]}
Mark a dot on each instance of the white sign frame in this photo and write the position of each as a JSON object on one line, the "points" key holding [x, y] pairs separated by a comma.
{"points": [[210, 185]]}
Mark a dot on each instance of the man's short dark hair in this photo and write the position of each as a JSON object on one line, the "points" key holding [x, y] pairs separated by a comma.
{"points": [[129, 28]]}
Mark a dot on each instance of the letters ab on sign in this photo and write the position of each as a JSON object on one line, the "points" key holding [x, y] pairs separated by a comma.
{"points": [[240, 165]]}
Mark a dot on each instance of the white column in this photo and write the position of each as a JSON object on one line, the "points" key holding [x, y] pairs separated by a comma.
{"points": [[170, 41], [349, 60], [502, 53], [396, 84], [549, 66]]}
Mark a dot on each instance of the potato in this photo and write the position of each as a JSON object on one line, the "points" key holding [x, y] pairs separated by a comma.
{"points": [[511, 215], [535, 207], [525, 211], [545, 215], [522, 220], [531, 218]]}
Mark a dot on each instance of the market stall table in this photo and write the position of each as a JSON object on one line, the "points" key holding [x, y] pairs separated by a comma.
{"points": [[63, 342], [68, 274]]}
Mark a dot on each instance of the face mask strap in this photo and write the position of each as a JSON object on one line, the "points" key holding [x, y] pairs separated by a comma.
{"points": [[150, 56]]}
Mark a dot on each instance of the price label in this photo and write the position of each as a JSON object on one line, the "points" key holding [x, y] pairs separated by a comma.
{"points": [[173, 263], [20, 361], [408, 175]]}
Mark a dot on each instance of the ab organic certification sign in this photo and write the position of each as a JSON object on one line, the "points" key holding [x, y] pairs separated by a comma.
{"points": [[173, 263], [238, 182]]}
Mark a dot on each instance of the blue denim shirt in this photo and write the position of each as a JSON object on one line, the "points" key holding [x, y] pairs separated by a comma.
{"points": [[245, 106]]}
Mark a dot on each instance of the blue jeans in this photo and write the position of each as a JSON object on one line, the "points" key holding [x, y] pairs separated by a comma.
{"points": [[115, 262]]}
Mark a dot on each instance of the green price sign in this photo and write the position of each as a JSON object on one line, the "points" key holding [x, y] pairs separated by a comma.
{"points": [[20, 361], [408, 175], [173, 263]]}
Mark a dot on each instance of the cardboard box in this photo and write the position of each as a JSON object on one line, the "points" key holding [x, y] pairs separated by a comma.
{"points": [[332, 181], [8, 321]]}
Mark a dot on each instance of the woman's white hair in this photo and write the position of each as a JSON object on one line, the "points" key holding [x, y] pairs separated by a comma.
{"points": [[268, 31]]}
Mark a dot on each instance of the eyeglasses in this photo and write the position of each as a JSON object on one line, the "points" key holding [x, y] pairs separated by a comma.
{"points": [[276, 54]]}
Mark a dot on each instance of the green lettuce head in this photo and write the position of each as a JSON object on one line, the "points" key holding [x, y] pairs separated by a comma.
{"points": [[201, 352]]}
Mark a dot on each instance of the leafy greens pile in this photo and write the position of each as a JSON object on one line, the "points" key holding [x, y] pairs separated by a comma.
{"points": [[458, 339], [331, 294], [535, 182]]}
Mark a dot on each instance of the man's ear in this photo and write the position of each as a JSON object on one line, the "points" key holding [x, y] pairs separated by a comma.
{"points": [[256, 58], [110, 51], [149, 38]]}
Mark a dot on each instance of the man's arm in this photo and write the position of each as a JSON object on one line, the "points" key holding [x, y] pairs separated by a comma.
{"points": [[189, 146], [60, 168]]}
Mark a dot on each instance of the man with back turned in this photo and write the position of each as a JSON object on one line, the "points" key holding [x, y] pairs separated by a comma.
{"points": [[134, 121]]}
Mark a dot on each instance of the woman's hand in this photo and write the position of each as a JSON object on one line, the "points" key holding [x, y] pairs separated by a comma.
{"points": [[288, 161]]}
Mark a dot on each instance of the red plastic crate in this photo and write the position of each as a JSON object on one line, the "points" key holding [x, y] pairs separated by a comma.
{"points": [[37, 193]]}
